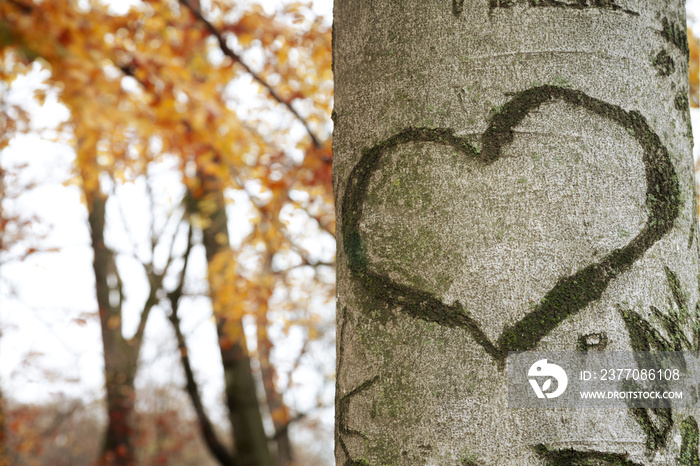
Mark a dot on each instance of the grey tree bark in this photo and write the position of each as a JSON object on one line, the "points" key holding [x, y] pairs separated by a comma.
{"points": [[510, 175]]}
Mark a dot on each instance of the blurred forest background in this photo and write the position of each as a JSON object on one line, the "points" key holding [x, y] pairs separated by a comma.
{"points": [[167, 252]]}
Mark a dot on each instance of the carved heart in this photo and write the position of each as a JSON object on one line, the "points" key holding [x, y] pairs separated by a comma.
{"points": [[570, 294]]}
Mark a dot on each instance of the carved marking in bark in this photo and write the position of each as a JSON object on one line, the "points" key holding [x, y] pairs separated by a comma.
{"points": [[571, 456], [664, 64], [343, 425], [570, 294], [592, 341], [457, 7], [675, 34], [610, 5], [689, 442], [657, 423], [343, 402]]}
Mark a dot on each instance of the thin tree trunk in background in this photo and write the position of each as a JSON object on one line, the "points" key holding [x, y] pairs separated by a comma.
{"points": [[275, 403], [5, 459], [251, 443], [217, 449], [4, 454], [211, 439], [120, 368], [121, 354], [509, 176], [118, 447]]}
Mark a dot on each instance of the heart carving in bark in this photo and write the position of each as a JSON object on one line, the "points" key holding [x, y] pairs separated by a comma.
{"points": [[570, 294]]}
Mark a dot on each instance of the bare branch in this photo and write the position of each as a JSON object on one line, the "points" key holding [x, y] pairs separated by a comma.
{"points": [[306, 263], [283, 429], [151, 223], [129, 234], [23, 7], [155, 281], [236, 58], [216, 447], [171, 256], [297, 363]]}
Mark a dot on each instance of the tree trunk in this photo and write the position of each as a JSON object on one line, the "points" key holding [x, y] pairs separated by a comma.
{"points": [[510, 175], [120, 363], [275, 403], [211, 439], [251, 444], [118, 447], [5, 456]]}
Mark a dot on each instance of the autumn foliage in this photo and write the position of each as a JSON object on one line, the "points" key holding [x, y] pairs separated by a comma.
{"points": [[694, 69], [233, 99]]}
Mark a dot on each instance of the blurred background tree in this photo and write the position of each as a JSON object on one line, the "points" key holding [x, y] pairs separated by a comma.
{"points": [[236, 102], [200, 135]]}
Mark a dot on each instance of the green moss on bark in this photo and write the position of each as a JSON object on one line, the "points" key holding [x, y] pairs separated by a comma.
{"points": [[664, 64], [657, 431], [675, 34], [689, 443]]}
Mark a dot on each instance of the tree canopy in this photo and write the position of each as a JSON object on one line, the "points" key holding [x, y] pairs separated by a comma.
{"points": [[237, 102]]}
